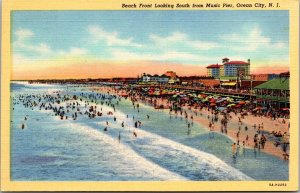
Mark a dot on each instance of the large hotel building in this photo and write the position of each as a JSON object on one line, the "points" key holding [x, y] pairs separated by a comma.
{"points": [[229, 69]]}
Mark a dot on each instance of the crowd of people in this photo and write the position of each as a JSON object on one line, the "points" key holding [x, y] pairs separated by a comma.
{"points": [[71, 107], [219, 117], [187, 108]]}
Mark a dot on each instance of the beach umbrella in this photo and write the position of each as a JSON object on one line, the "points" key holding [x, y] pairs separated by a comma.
{"points": [[221, 100], [163, 92], [124, 95], [157, 93], [212, 100], [229, 99], [258, 108], [185, 98], [205, 99], [215, 96], [221, 108], [230, 105], [242, 102], [285, 109]]}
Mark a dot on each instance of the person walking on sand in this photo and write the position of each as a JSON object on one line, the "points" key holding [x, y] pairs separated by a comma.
{"points": [[263, 140], [233, 149], [136, 124], [134, 134], [244, 147], [119, 137], [189, 131], [255, 140]]}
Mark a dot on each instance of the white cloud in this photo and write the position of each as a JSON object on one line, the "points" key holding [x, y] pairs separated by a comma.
{"points": [[73, 51], [22, 44], [111, 38], [120, 54], [251, 41], [19, 59], [24, 34], [175, 55], [183, 40], [174, 38]]}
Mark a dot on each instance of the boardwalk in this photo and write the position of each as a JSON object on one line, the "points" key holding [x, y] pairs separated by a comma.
{"points": [[202, 89]]}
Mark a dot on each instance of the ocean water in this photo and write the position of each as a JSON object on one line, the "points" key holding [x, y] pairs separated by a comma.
{"points": [[53, 149]]}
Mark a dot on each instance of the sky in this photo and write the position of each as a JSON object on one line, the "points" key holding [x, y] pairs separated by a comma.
{"points": [[104, 44]]}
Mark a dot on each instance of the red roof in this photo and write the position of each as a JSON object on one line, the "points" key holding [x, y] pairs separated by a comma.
{"points": [[212, 82], [285, 74], [236, 62], [214, 66]]}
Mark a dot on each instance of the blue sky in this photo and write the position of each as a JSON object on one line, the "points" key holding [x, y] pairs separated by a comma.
{"points": [[185, 37]]}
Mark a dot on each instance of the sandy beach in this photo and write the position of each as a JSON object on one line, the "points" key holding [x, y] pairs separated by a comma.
{"points": [[235, 129]]}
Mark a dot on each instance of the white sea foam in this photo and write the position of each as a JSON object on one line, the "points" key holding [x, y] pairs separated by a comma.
{"points": [[208, 163], [131, 157]]}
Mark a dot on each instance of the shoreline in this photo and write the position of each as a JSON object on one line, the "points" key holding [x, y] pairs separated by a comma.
{"points": [[201, 117]]}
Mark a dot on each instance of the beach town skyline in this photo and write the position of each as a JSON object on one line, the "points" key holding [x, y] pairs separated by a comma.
{"points": [[129, 71]]}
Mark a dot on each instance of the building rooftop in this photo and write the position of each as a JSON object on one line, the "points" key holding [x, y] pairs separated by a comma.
{"points": [[212, 82], [285, 74], [276, 83], [236, 62], [214, 66]]}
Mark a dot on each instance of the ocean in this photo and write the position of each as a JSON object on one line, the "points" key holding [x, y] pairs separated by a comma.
{"points": [[50, 149]]}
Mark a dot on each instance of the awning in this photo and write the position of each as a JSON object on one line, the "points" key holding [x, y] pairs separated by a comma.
{"points": [[228, 84]]}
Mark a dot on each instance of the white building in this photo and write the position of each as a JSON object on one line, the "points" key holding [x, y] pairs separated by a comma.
{"points": [[163, 79]]}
